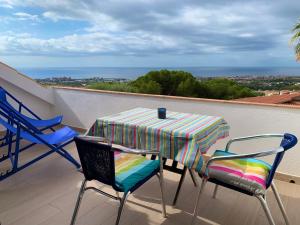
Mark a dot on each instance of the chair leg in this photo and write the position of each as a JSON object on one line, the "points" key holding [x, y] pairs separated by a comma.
{"points": [[163, 204], [68, 157], [123, 200], [215, 191], [193, 178], [204, 181], [266, 208], [79, 198], [277, 196], [179, 185]]}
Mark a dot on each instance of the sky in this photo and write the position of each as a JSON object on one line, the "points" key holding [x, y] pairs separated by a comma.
{"points": [[153, 33]]}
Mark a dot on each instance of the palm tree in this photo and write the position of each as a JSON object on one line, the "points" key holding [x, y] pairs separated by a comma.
{"points": [[296, 39]]}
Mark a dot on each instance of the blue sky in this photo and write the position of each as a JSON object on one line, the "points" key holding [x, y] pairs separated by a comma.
{"points": [[50, 33]]}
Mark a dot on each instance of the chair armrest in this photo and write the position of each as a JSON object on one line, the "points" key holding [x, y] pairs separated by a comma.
{"points": [[119, 147], [133, 150], [260, 136], [94, 138], [242, 156]]}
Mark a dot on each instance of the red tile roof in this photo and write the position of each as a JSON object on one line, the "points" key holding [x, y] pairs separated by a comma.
{"points": [[274, 99]]}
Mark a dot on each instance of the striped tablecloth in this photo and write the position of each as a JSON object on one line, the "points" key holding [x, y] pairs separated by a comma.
{"points": [[181, 136]]}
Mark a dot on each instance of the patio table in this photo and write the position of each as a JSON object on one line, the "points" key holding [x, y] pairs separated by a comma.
{"points": [[183, 137]]}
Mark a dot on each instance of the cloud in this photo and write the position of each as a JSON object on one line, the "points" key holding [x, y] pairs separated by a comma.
{"points": [[8, 3], [6, 6], [90, 43], [56, 17], [26, 16], [134, 27]]}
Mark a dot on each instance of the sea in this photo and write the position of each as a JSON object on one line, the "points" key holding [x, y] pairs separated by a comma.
{"points": [[134, 72]]}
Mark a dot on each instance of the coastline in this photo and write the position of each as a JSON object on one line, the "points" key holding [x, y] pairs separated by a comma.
{"points": [[134, 72]]}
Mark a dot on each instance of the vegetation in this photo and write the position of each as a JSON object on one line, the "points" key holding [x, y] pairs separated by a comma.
{"points": [[271, 83], [113, 86], [222, 88], [296, 39], [179, 83]]}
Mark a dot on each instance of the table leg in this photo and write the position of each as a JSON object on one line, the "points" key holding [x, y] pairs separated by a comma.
{"points": [[180, 184]]}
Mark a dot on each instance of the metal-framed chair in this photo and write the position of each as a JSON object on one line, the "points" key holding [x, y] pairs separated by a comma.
{"points": [[246, 174], [124, 169], [22, 129]]}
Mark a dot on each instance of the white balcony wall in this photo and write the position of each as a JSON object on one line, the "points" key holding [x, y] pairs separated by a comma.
{"points": [[80, 108]]}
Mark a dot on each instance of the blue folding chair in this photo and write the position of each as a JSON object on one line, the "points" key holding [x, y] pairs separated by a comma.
{"points": [[22, 129], [35, 120], [246, 174]]}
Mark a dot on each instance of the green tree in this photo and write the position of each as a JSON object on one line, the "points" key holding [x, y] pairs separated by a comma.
{"points": [[221, 88], [149, 87], [296, 40], [168, 80], [179, 83], [188, 88]]}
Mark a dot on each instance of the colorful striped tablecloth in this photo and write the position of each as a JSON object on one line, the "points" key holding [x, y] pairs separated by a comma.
{"points": [[181, 136]]}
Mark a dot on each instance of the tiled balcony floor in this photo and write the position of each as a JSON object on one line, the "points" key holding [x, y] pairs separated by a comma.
{"points": [[45, 194]]}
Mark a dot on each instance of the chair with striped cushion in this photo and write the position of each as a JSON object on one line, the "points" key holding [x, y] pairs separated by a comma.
{"points": [[124, 169], [246, 174]]}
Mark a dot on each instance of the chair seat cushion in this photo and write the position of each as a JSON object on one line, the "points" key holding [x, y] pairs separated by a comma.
{"points": [[57, 137], [132, 169], [247, 174]]}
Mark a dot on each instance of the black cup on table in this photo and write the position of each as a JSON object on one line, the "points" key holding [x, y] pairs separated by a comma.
{"points": [[162, 113]]}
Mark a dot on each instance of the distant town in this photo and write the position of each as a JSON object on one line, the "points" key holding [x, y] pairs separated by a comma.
{"points": [[268, 85], [75, 82]]}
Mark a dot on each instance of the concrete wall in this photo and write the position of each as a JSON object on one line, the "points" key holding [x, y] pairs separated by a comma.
{"points": [[81, 108]]}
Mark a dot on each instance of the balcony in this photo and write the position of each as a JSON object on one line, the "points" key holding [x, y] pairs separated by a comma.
{"points": [[45, 193]]}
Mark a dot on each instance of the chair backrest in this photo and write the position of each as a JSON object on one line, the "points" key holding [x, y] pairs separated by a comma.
{"points": [[17, 118], [3, 100], [6, 124], [2, 95], [12, 112], [97, 160], [5, 103], [288, 141], [10, 124]]}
